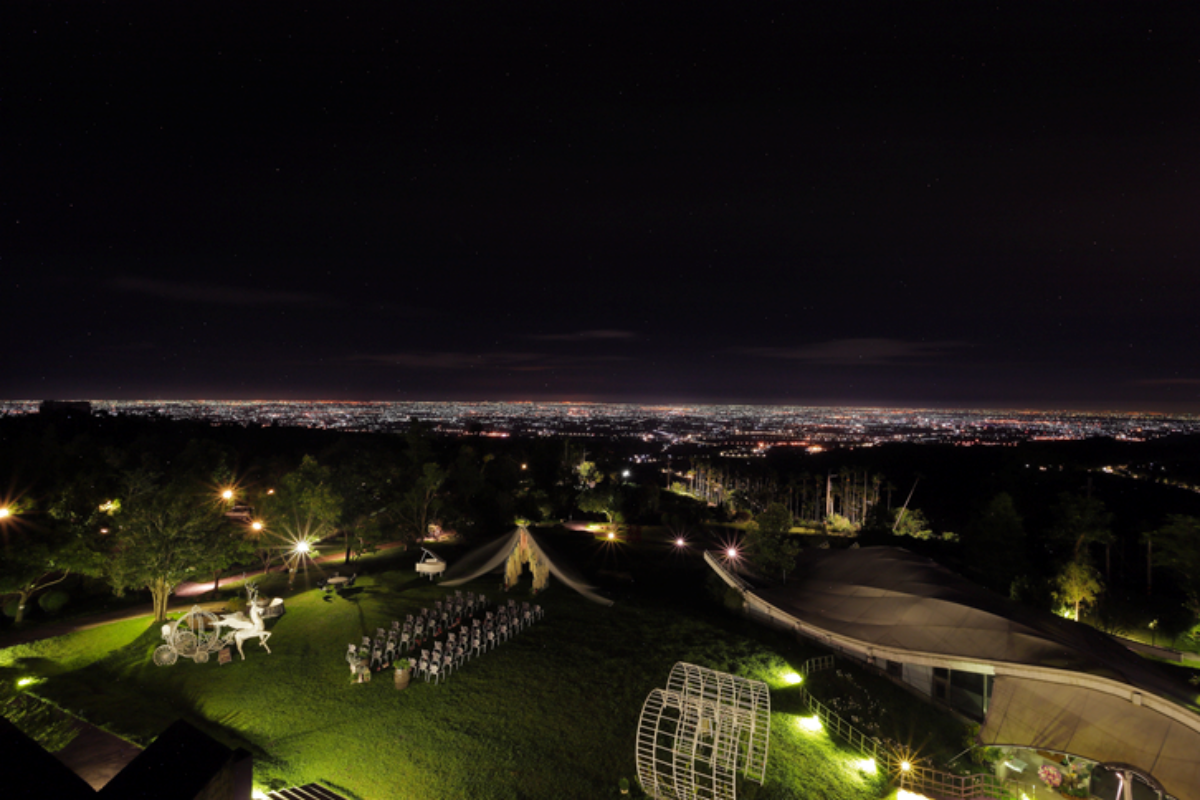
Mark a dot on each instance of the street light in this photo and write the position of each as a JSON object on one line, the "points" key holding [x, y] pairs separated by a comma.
{"points": [[256, 525], [227, 494], [4, 512]]}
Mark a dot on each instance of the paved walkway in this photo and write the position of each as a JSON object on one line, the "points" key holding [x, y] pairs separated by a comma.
{"points": [[183, 596]]}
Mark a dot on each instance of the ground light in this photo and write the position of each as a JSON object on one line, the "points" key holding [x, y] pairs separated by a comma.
{"points": [[611, 535], [792, 678], [680, 542], [732, 552], [811, 724], [26, 681], [4, 512], [866, 765]]}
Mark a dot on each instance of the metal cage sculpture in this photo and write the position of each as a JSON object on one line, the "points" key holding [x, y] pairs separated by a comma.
{"points": [[696, 735]]}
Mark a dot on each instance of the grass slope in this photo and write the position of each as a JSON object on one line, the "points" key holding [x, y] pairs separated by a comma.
{"points": [[552, 713]]}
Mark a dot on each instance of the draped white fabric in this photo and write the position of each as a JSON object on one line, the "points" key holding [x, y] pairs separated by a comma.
{"points": [[493, 555]]}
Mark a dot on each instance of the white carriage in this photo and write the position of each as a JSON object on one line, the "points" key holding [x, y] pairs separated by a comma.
{"points": [[199, 633]]}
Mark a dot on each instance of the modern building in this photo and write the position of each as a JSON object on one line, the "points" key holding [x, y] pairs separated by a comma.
{"points": [[1045, 689]]}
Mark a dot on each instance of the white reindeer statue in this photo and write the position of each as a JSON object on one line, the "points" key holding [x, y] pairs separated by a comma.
{"points": [[242, 628]]}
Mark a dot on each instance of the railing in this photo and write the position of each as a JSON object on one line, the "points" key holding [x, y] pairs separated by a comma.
{"points": [[934, 783]]}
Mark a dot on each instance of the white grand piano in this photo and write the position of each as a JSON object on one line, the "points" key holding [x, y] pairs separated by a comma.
{"points": [[430, 564]]}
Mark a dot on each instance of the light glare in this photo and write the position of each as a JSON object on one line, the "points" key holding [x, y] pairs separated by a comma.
{"points": [[811, 724]]}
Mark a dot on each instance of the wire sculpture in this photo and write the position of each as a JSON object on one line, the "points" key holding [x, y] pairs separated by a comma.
{"points": [[695, 736]]}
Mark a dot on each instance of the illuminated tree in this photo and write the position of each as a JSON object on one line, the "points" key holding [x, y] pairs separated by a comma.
{"points": [[305, 503], [769, 543], [164, 534], [1078, 584], [39, 554], [604, 499]]}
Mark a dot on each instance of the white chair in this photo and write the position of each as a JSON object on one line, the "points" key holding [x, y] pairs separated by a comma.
{"points": [[433, 671]]}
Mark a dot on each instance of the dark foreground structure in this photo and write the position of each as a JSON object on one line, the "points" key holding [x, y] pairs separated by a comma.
{"points": [[182, 764]]}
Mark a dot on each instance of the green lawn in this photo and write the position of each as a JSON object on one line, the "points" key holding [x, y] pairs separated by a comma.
{"points": [[553, 713]]}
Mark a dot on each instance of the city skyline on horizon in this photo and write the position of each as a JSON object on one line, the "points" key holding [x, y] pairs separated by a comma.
{"points": [[677, 404]]}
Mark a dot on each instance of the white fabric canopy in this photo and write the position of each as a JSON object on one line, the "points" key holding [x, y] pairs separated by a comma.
{"points": [[1080, 721], [493, 555]]}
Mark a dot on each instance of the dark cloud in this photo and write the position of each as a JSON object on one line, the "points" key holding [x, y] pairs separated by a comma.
{"points": [[519, 361], [861, 352], [584, 336], [218, 295]]}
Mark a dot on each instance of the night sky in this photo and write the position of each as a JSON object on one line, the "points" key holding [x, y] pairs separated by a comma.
{"points": [[906, 203]]}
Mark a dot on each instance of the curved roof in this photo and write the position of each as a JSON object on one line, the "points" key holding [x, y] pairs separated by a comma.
{"points": [[890, 597]]}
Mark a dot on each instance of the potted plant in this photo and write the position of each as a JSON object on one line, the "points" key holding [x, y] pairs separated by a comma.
{"points": [[403, 672], [623, 784]]}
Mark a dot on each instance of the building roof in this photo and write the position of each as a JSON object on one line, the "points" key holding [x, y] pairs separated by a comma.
{"points": [[1059, 685], [891, 597]]}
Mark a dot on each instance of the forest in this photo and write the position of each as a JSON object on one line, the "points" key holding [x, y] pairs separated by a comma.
{"points": [[1102, 531]]}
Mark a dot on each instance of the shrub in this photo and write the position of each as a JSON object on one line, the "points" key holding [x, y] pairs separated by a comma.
{"points": [[10, 608], [53, 601]]}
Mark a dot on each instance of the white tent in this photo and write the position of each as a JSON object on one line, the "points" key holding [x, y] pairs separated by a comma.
{"points": [[494, 555]]}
